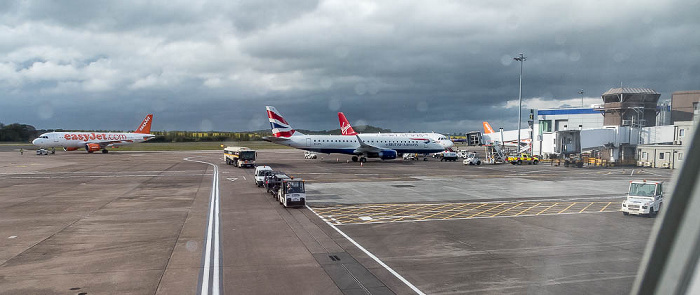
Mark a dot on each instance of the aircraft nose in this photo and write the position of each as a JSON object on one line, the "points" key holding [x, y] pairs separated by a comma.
{"points": [[36, 141]]}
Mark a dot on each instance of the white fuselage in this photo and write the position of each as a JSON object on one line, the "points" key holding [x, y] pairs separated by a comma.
{"points": [[510, 137], [423, 143], [72, 140]]}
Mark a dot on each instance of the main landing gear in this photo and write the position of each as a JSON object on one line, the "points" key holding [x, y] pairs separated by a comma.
{"points": [[361, 159]]}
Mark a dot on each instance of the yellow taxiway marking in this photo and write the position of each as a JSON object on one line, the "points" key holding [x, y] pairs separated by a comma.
{"points": [[550, 207], [584, 208], [477, 207], [386, 213], [439, 212], [533, 206], [499, 213], [470, 216], [567, 208]]}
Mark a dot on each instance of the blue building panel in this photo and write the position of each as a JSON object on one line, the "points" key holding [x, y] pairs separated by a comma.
{"points": [[567, 112]]}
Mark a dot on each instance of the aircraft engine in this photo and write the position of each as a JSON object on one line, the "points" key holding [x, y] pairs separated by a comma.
{"points": [[387, 154], [92, 147], [70, 149]]}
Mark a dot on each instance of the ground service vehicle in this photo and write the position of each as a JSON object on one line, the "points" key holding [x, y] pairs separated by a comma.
{"points": [[259, 175], [310, 155], [448, 156], [239, 156], [291, 193], [273, 180], [643, 198], [523, 158], [472, 159]]}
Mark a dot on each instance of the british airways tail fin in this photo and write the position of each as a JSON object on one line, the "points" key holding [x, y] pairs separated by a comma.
{"points": [[280, 127], [345, 127], [145, 127], [487, 128]]}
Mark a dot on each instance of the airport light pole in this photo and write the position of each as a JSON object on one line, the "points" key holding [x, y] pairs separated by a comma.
{"points": [[521, 58], [581, 92]]}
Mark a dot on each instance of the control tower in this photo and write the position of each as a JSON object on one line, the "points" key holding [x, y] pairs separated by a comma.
{"points": [[634, 107]]}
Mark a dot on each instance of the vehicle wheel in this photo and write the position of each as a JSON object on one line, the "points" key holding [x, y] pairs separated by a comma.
{"points": [[520, 162], [651, 213], [513, 163], [625, 213], [354, 158], [363, 159], [478, 163], [535, 162]]}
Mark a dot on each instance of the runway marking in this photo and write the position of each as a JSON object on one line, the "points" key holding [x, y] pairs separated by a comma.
{"points": [[499, 213], [567, 208], [211, 272], [375, 258], [584, 208], [388, 213], [533, 206]]}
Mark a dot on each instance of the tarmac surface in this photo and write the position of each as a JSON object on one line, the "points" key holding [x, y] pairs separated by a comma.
{"points": [[142, 223]]}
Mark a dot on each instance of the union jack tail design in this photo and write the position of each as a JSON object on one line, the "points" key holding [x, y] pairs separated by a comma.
{"points": [[280, 127], [345, 127]]}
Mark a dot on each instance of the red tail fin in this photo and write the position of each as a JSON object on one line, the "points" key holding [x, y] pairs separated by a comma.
{"points": [[145, 126], [487, 128], [345, 127]]}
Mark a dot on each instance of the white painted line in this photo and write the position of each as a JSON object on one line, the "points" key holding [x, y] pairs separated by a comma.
{"points": [[12, 237], [213, 229], [398, 276], [244, 178], [231, 179], [217, 226]]}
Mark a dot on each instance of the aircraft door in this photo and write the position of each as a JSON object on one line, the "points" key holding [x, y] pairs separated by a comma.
{"points": [[55, 137], [308, 142]]}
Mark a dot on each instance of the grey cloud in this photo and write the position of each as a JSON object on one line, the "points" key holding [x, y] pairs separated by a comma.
{"points": [[442, 66]]}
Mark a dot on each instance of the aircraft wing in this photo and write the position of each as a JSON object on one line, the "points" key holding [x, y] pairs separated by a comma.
{"points": [[366, 148], [273, 139]]}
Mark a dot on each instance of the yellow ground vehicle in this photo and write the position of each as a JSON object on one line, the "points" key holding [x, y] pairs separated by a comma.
{"points": [[523, 158], [239, 156]]}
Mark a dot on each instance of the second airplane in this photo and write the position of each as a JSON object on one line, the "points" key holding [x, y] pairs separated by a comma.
{"points": [[385, 146]]}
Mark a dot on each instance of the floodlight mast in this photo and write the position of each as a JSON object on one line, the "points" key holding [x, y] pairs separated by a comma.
{"points": [[521, 58]]}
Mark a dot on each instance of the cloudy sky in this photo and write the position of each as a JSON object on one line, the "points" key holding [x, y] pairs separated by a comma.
{"points": [[406, 65]]}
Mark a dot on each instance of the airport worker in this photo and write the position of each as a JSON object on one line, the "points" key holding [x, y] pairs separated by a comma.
{"points": [[21, 151]]}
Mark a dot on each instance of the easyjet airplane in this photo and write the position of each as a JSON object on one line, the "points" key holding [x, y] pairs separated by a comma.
{"points": [[361, 146], [95, 141], [510, 137]]}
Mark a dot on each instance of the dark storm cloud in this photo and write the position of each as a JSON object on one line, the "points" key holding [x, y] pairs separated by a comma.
{"points": [[442, 66]]}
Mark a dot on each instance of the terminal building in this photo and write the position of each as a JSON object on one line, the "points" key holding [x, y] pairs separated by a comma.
{"points": [[622, 130]]}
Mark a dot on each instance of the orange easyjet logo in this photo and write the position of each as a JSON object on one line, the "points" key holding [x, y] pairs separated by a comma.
{"points": [[94, 136], [145, 121]]}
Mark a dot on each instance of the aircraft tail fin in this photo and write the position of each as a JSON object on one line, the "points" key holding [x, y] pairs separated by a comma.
{"points": [[487, 128], [280, 127], [345, 127], [145, 127]]}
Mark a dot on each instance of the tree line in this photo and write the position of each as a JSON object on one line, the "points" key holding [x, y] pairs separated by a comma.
{"points": [[17, 132]]}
